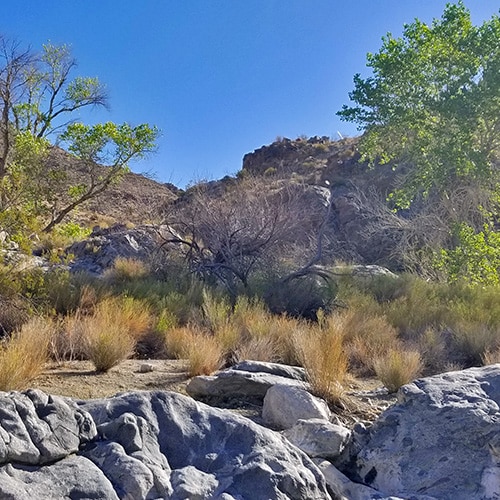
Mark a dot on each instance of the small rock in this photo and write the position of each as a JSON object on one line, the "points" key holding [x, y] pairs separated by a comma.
{"points": [[318, 438], [284, 405], [146, 368]]}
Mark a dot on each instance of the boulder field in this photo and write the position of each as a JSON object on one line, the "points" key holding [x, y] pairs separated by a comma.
{"points": [[440, 440]]}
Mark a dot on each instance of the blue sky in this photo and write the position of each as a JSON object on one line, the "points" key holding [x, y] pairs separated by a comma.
{"points": [[220, 78]]}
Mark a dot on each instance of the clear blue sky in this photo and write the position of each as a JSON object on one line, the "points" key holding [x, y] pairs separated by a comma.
{"points": [[220, 78]]}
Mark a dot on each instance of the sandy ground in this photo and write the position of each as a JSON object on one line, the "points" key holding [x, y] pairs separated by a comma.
{"points": [[78, 379], [365, 398]]}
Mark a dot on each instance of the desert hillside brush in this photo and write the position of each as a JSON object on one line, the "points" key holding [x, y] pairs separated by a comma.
{"points": [[24, 355], [397, 368]]}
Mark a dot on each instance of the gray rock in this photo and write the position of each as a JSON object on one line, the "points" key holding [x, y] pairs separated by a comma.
{"points": [[442, 439], [345, 489], [146, 368], [98, 253], [72, 477], [236, 383], [293, 372], [204, 450], [285, 405], [36, 428], [318, 438]]}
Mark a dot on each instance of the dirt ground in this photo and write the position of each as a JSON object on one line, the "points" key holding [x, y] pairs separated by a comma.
{"points": [[365, 399], [78, 379]]}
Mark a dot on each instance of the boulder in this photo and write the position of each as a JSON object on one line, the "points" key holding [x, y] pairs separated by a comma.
{"points": [[142, 446], [99, 251], [204, 451], [287, 371], [318, 437], [345, 489], [441, 439], [237, 383], [36, 428], [285, 405], [71, 477]]}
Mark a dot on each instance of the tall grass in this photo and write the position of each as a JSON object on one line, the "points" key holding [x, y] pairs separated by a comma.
{"points": [[324, 358], [398, 367], [24, 355]]}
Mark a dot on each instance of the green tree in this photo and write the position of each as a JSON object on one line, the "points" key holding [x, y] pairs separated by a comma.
{"points": [[432, 103], [431, 108], [37, 92], [105, 145], [38, 97]]}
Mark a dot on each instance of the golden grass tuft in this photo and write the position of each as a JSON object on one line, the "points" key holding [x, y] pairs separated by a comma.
{"points": [[204, 353], [24, 355], [325, 361], [366, 337], [111, 334], [126, 269], [259, 349], [397, 368]]}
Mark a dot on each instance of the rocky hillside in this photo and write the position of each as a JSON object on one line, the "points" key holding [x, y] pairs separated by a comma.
{"points": [[360, 228], [136, 199]]}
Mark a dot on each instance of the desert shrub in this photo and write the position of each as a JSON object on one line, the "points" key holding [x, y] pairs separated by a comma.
{"points": [[107, 344], [126, 269], [435, 349], [301, 297], [23, 356], [216, 311], [424, 305], [473, 339], [69, 342], [323, 356], [14, 312], [366, 336], [397, 368]]}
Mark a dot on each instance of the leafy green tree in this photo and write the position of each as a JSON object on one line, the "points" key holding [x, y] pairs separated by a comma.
{"points": [[103, 145], [431, 108], [37, 92], [432, 103], [38, 97]]}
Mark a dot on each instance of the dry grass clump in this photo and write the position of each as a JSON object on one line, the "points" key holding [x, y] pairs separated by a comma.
{"points": [[204, 354], [258, 349], [398, 367], [177, 340], [110, 337], [68, 342], [367, 337], [126, 269], [131, 315], [23, 356], [323, 356]]}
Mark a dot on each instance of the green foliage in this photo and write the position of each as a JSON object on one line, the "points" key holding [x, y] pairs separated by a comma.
{"points": [[475, 258], [73, 231], [433, 102]]}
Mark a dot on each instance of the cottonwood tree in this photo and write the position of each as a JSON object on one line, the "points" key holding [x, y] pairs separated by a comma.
{"points": [[250, 230], [38, 98], [432, 106], [37, 91]]}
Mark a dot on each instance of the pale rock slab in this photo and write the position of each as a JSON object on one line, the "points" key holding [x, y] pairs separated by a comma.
{"points": [[285, 405]]}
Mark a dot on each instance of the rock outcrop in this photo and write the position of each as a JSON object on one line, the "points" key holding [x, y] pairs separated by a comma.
{"points": [[98, 252], [141, 446], [441, 440]]}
